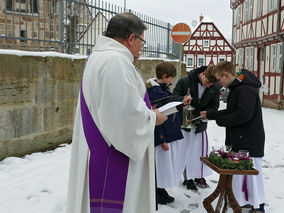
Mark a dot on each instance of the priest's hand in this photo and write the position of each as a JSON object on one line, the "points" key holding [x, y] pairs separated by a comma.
{"points": [[160, 118]]}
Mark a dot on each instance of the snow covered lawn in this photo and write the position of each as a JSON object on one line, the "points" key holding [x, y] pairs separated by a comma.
{"points": [[38, 183]]}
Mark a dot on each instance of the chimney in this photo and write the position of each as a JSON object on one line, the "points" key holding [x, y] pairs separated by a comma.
{"points": [[201, 17]]}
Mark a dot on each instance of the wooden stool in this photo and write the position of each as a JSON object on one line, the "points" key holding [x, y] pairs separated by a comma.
{"points": [[224, 188]]}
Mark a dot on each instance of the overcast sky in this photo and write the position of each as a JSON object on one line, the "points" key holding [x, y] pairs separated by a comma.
{"points": [[175, 11]]}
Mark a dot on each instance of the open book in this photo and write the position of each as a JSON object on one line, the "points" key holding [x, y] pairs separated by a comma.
{"points": [[169, 108]]}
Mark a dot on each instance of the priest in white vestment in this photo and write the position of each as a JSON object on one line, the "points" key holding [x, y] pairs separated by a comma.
{"points": [[114, 95]]}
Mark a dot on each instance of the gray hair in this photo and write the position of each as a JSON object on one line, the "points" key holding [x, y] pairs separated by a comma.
{"points": [[123, 24]]}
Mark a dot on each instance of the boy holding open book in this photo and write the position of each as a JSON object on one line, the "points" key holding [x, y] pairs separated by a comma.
{"points": [[167, 135]]}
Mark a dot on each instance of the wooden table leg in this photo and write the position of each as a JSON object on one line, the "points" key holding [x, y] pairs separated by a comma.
{"points": [[231, 197], [225, 207], [224, 188], [220, 201], [219, 189]]}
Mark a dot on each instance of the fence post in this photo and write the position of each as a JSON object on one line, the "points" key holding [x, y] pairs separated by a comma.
{"points": [[168, 38], [61, 25]]}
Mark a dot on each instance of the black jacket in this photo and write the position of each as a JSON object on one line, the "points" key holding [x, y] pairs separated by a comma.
{"points": [[209, 100], [168, 131], [243, 116]]}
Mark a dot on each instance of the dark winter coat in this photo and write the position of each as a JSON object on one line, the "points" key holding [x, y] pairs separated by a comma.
{"points": [[170, 130], [243, 116], [209, 100]]}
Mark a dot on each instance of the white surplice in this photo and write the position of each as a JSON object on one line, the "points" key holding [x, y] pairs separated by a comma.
{"points": [[114, 92], [195, 148], [168, 164], [255, 186]]}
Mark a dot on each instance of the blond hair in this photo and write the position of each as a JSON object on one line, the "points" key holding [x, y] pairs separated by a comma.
{"points": [[210, 75], [225, 66]]}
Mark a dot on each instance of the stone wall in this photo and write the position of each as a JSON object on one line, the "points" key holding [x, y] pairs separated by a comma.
{"points": [[38, 98], [37, 102], [274, 104]]}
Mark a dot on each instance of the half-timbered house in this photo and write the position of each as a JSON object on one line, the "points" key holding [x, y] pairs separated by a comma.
{"points": [[207, 46], [258, 35]]}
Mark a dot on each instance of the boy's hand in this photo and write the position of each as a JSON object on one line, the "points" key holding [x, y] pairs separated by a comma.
{"points": [[165, 146], [203, 114], [186, 100], [154, 106]]}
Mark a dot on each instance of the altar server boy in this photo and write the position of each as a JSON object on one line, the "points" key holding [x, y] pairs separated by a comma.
{"points": [[168, 149]]}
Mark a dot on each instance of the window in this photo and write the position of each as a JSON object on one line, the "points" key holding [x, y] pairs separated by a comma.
{"points": [[54, 6], [9, 5], [247, 65], [238, 21], [262, 58], [241, 58], [273, 58], [221, 58], [246, 9], [249, 58], [259, 8], [272, 4], [250, 10], [18, 5], [200, 62], [206, 43], [23, 36], [30, 6], [190, 62], [280, 58], [34, 6]]}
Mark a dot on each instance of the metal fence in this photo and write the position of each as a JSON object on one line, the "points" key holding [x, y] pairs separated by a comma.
{"points": [[72, 26]]}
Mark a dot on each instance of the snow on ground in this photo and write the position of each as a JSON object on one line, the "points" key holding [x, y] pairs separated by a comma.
{"points": [[38, 182]]}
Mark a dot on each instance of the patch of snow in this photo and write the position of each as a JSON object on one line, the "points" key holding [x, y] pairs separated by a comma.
{"points": [[38, 182], [41, 54]]}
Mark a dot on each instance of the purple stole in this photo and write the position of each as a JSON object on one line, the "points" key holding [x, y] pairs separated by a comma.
{"points": [[108, 168]]}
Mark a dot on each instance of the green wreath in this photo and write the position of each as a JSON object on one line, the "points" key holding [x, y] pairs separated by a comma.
{"points": [[225, 161]]}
